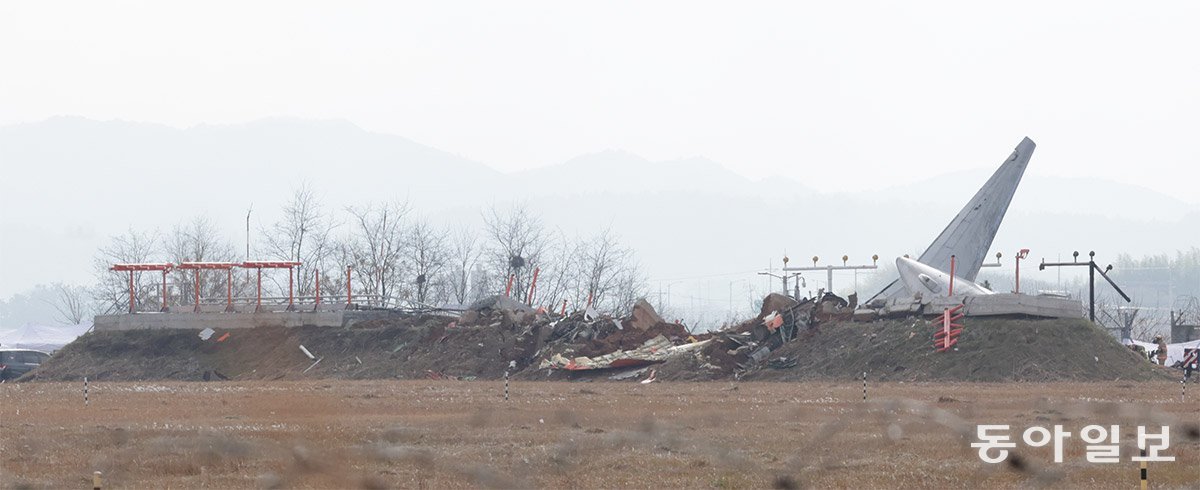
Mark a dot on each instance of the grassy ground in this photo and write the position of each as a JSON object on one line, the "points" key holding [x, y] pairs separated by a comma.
{"points": [[438, 434]]}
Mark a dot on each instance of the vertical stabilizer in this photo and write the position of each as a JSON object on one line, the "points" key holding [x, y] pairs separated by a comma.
{"points": [[969, 235]]}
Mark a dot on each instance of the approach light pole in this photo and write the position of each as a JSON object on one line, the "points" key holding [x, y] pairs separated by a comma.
{"points": [[784, 277], [1092, 270], [830, 268], [1020, 255]]}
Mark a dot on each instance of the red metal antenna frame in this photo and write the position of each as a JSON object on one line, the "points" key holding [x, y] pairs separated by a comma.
{"points": [[163, 267], [271, 264], [198, 266]]}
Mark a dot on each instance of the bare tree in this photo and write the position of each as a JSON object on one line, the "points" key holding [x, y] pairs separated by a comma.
{"points": [[428, 255], [111, 291], [630, 287], [377, 247], [516, 242], [463, 255], [604, 268], [71, 303], [303, 234], [558, 272], [199, 241], [1137, 322]]}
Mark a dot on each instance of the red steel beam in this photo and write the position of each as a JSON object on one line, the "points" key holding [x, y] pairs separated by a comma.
{"points": [[154, 266], [165, 266], [208, 265], [270, 264]]}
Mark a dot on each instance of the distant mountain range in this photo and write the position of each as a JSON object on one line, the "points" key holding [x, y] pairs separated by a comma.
{"points": [[69, 183]]}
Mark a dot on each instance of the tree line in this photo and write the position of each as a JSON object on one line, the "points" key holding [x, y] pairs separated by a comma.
{"points": [[397, 258]]}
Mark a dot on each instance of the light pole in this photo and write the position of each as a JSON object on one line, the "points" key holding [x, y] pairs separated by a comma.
{"points": [[1092, 270], [830, 268], [1020, 256]]}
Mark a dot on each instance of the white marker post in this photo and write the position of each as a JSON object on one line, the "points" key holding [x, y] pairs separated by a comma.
{"points": [[511, 365], [85, 391], [864, 386]]}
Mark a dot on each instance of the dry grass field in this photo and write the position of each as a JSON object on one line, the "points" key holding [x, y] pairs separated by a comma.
{"points": [[448, 434]]}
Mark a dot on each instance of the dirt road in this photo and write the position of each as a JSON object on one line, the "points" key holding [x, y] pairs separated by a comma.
{"points": [[438, 434]]}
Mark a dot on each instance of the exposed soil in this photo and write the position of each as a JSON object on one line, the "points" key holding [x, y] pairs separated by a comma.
{"points": [[988, 350], [463, 434], [438, 347]]}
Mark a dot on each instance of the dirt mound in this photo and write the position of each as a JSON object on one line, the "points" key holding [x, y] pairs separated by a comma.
{"points": [[416, 347], [988, 350], [803, 341]]}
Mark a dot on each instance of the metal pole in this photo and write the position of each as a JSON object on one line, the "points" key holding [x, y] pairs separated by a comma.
{"points": [[1142, 471], [229, 289], [196, 292], [532, 286], [1092, 291], [291, 303], [164, 291], [258, 306], [131, 301], [1018, 280], [829, 278]]}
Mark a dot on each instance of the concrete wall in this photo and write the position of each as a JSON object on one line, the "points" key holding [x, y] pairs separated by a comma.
{"points": [[1010, 304], [223, 320]]}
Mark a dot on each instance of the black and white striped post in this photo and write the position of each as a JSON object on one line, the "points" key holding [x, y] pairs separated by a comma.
{"points": [[864, 386], [1143, 470], [512, 365], [85, 391]]}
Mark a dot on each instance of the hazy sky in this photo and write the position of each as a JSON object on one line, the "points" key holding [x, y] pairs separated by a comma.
{"points": [[840, 94]]}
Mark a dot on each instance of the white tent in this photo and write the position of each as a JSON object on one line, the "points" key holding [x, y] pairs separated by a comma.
{"points": [[1174, 351]]}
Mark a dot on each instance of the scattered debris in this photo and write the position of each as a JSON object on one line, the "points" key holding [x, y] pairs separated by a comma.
{"points": [[307, 353], [643, 316], [206, 333]]}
